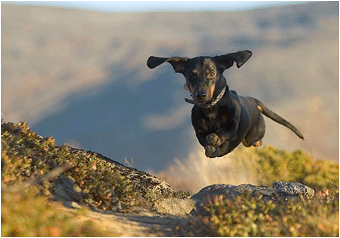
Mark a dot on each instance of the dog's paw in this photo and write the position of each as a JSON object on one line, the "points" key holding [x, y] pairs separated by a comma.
{"points": [[214, 140], [212, 151], [258, 143]]}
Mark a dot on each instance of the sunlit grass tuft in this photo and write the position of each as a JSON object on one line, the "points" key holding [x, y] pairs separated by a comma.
{"points": [[249, 216], [259, 166], [26, 213]]}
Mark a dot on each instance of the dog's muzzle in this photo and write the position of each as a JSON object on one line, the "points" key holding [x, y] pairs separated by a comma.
{"points": [[207, 104]]}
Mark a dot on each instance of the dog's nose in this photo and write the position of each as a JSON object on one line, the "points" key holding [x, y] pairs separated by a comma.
{"points": [[201, 95]]}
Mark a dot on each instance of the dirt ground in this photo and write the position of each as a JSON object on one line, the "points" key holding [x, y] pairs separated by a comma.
{"points": [[141, 223]]}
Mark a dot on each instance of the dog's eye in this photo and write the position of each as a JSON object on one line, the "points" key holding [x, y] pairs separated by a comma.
{"points": [[211, 74]]}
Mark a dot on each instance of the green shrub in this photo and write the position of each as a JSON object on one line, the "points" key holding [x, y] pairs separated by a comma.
{"points": [[270, 164], [25, 213], [249, 216], [26, 156]]}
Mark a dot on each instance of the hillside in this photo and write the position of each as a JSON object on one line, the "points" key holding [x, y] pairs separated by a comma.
{"points": [[50, 190], [81, 76]]}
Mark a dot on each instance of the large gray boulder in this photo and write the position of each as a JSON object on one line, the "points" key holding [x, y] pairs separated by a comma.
{"points": [[281, 191]]}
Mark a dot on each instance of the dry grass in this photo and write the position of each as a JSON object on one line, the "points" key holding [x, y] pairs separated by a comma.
{"points": [[26, 213], [258, 166], [25, 157], [198, 171]]}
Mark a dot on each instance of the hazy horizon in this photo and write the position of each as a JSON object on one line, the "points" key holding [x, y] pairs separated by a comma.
{"points": [[152, 6]]}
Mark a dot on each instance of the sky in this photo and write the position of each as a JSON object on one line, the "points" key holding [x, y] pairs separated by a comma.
{"points": [[146, 6]]}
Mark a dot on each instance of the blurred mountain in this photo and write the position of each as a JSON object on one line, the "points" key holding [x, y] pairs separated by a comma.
{"points": [[81, 76]]}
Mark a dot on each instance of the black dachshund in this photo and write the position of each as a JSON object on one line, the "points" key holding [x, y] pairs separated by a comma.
{"points": [[221, 118]]}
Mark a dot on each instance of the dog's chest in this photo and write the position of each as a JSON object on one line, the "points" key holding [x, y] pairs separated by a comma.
{"points": [[214, 120], [211, 116]]}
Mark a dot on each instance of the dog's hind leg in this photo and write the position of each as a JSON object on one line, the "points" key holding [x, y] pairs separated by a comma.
{"points": [[256, 133], [256, 144]]}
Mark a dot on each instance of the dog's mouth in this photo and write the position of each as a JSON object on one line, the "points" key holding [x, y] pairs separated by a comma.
{"points": [[204, 103], [200, 102], [201, 97], [203, 94]]}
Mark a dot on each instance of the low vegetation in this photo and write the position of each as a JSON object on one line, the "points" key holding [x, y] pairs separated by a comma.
{"points": [[28, 162], [270, 165], [25, 213], [25, 157], [249, 216], [260, 166]]}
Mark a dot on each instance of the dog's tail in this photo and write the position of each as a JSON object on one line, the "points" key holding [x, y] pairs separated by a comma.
{"points": [[272, 115]]}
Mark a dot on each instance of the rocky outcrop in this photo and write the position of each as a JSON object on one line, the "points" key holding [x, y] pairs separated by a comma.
{"points": [[281, 191], [144, 182], [77, 177], [290, 190], [167, 200], [159, 195]]}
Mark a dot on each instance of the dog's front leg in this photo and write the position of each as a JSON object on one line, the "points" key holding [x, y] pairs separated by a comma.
{"points": [[211, 151], [229, 130], [221, 136]]}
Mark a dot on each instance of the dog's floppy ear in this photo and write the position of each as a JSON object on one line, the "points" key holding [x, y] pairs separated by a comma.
{"points": [[178, 63], [240, 57]]}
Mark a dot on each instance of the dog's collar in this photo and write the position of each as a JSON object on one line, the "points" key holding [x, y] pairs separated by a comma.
{"points": [[208, 104]]}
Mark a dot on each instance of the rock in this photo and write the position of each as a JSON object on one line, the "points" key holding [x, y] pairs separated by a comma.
{"points": [[281, 191], [144, 182], [159, 196], [175, 206], [66, 190], [294, 188], [212, 191], [74, 205]]}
